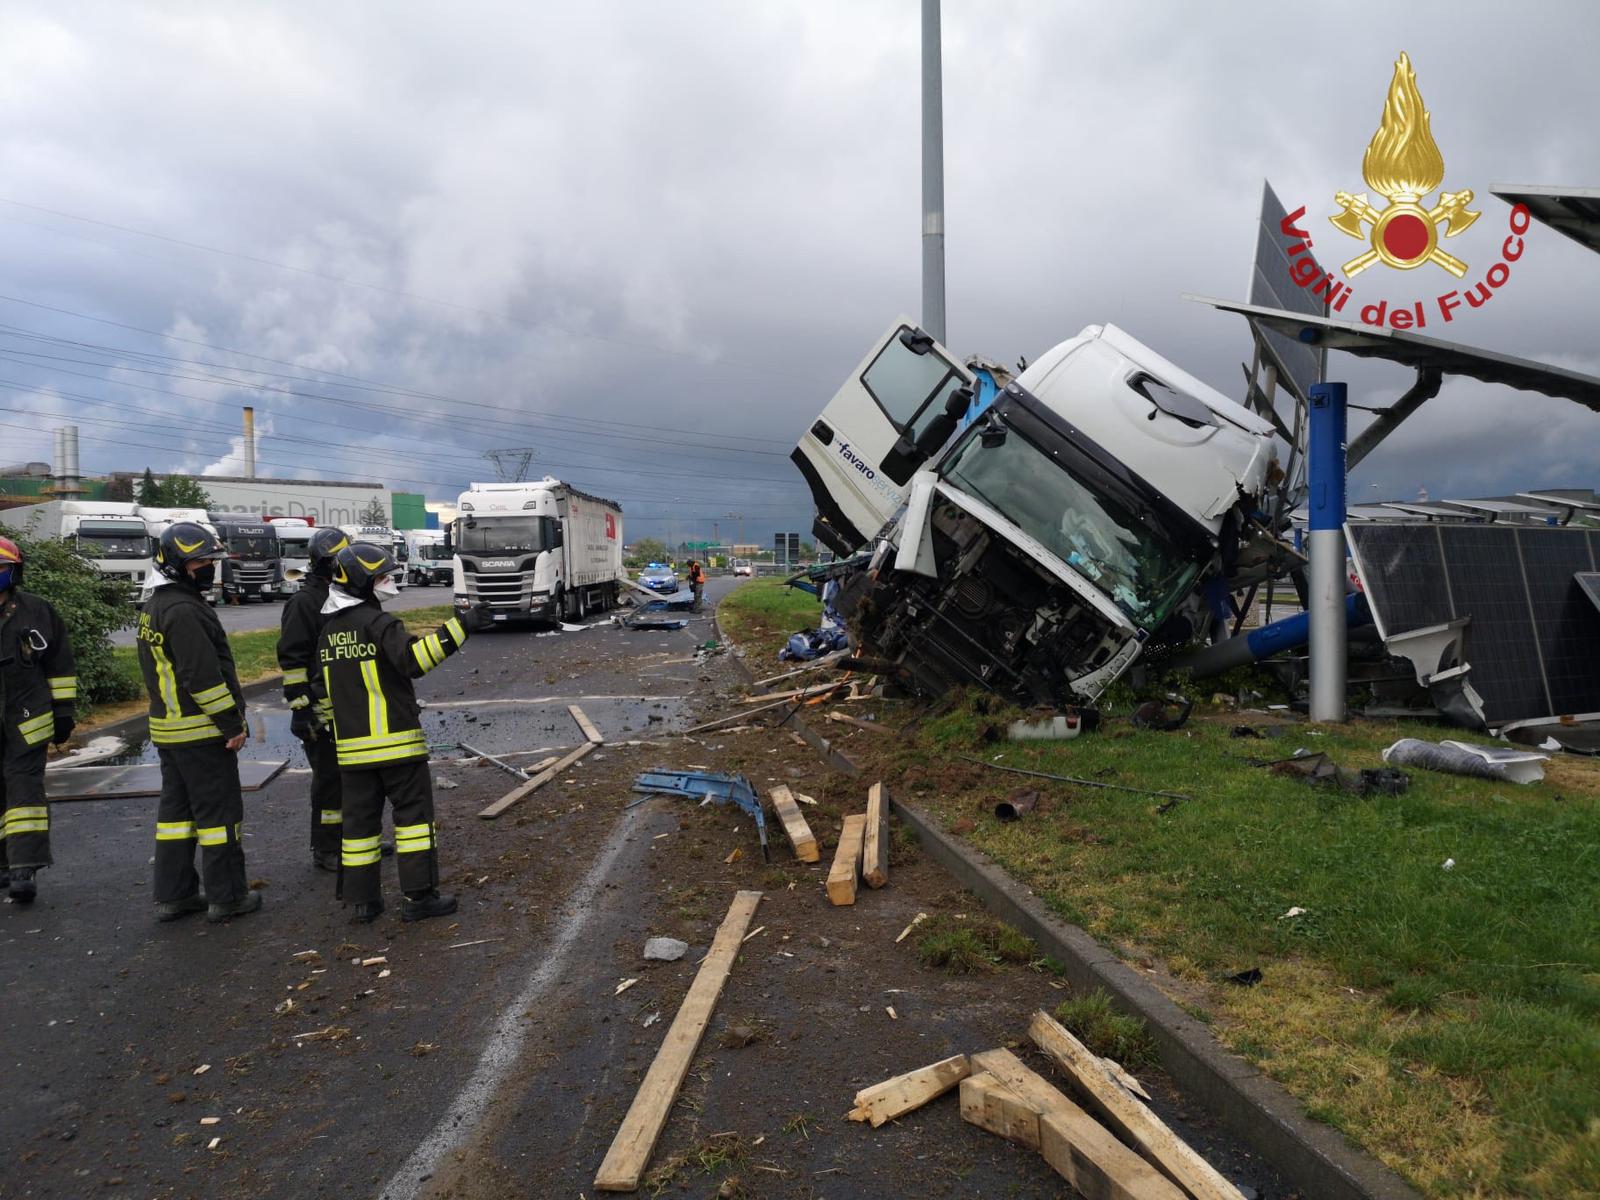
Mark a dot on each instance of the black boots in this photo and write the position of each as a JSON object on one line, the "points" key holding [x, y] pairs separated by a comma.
{"points": [[419, 906], [368, 911], [248, 903], [21, 887], [171, 910], [325, 860]]}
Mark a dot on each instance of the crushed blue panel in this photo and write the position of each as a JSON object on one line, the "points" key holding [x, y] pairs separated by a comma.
{"points": [[709, 788]]}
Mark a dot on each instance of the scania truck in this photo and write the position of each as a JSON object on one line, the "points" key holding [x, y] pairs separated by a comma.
{"points": [[537, 550], [1068, 527]]}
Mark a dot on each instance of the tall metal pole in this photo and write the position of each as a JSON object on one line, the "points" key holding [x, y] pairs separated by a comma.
{"points": [[1325, 465], [932, 174]]}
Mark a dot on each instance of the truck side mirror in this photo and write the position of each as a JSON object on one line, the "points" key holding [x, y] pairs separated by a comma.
{"points": [[916, 341]]}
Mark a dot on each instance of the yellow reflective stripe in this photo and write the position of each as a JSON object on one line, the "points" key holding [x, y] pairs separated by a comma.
{"points": [[174, 831], [183, 736], [420, 652], [360, 852], [457, 630], [366, 858], [166, 680], [63, 687], [25, 811], [212, 835], [216, 706], [377, 706], [331, 816], [42, 721], [403, 738], [367, 758], [296, 675], [197, 721], [410, 838], [33, 826], [25, 819], [210, 693]]}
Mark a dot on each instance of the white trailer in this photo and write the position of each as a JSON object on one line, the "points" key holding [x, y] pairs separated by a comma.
{"points": [[539, 550], [431, 553], [294, 540], [109, 534], [382, 535]]}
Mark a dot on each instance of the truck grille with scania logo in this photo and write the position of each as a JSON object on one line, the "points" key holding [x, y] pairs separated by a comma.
{"points": [[509, 589], [253, 574]]}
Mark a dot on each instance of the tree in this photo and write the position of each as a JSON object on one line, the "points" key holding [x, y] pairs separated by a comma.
{"points": [[373, 514], [120, 489], [181, 491], [91, 606], [647, 550], [150, 491]]}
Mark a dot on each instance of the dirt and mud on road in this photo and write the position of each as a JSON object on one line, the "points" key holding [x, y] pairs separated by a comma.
{"points": [[493, 1055]]}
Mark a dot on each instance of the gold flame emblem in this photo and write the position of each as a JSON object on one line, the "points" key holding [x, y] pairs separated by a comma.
{"points": [[1403, 163]]}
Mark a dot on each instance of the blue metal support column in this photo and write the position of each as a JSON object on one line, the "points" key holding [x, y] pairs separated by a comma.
{"points": [[1325, 467]]}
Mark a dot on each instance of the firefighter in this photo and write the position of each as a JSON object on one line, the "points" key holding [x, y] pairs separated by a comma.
{"points": [[297, 652], [697, 582], [367, 661], [197, 723], [38, 691]]}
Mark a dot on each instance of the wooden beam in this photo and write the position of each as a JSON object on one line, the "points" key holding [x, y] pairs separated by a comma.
{"points": [[798, 693], [794, 824], [1124, 1115], [847, 860], [858, 722], [738, 716], [827, 660], [989, 1104], [875, 846], [630, 1150], [589, 731], [534, 784], [895, 1097], [1079, 1148]]}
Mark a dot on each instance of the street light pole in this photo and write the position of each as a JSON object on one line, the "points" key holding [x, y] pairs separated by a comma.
{"points": [[932, 174]]}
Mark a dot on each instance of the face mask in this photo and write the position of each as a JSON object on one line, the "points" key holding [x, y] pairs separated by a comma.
{"points": [[384, 589], [5, 578], [205, 576]]}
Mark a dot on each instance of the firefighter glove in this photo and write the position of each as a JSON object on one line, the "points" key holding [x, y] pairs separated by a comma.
{"points": [[65, 724], [303, 724]]}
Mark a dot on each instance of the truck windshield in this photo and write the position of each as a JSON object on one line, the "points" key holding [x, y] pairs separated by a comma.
{"points": [[111, 543], [253, 547], [503, 535], [436, 552], [1118, 549]]}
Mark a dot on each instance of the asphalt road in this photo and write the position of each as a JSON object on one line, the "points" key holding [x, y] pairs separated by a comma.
{"points": [[240, 618], [493, 1055]]}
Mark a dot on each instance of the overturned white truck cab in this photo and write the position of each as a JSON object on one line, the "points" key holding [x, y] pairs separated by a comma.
{"points": [[1069, 523]]}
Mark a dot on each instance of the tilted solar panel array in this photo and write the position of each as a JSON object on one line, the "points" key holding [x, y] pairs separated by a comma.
{"points": [[1533, 640]]}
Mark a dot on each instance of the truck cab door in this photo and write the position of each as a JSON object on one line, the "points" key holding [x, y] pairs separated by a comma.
{"points": [[859, 455]]}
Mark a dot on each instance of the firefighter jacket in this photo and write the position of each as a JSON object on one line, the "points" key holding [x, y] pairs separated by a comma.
{"points": [[368, 660], [188, 670], [297, 643], [37, 675]]}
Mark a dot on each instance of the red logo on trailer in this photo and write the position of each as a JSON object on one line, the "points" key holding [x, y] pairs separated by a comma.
{"points": [[611, 527]]}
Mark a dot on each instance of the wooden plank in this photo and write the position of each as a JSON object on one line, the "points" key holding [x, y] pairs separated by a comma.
{"points": [[1082, 1151], [739, 716], [1124, 1115], [794, 824], [875, 845], [630, 1150], [589, 731], [534, 784], [895, 1097], [860, 723], [798, 693], [847, 860], [827, 660], [989, 1104]]}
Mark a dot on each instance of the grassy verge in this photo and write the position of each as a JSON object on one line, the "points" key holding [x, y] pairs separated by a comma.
{"points": [[760, 614], [255, 657], [1447, 1018]]}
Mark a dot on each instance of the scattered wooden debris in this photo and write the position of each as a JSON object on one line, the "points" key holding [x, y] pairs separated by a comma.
{"points": [[734, 856], [630, 1151], [375, 960], [210, 1120], [906, 932], [893, 1016], [989, 1104], [1079, 1148], [306, 956], [739, 716], [753, 932], [474, 942], [202, 1068], [847, 860], [858, 722], [624, 986], [586, 725], [1123, 1113], [875, 846], [895, 1097], [538, 781], [797, 694], [794, 825], [827, 660]]}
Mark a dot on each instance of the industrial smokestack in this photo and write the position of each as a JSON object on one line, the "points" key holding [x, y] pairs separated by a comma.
{"points": [[249, 442], [69, 443], [58, 458]]}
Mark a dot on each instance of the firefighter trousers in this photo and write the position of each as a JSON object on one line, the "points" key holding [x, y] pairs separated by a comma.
{"points": [[200, 804], [325, 792], [408, 788], [24, 816]]}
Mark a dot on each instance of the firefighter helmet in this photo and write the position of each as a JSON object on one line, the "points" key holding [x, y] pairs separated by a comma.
{"points": [[10, 564], [357, 567], [326, 542], [183, 543]]}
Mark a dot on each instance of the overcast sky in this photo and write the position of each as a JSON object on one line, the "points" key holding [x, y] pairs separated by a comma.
{"points": [[650, 239]]}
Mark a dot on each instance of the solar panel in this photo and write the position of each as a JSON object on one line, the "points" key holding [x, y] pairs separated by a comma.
{"points": [[1505, 508], [1299, 365], [1533, 637], [1427, 510]]}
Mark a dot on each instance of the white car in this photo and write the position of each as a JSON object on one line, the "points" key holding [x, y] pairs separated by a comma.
{"points": [[744, 569]]}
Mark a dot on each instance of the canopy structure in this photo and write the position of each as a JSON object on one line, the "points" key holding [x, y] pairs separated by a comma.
{"points": [[1572, 211]]}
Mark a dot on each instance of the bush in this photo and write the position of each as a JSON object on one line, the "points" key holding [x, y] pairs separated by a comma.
{"points": [[91, 607]]}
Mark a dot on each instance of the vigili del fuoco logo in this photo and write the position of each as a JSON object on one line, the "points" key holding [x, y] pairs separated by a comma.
{"points": [[1403, 165]]}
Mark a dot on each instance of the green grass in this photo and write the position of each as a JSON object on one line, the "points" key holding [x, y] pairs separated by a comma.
{"points": [[760, 614], [1448, 1019], [967, 946], [1106, 1031]]}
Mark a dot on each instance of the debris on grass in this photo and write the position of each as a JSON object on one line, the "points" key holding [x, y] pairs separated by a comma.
{"points": [[1105, 1031]]}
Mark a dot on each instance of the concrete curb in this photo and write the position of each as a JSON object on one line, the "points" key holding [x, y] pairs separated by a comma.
{"points": [[1315, 1157]]}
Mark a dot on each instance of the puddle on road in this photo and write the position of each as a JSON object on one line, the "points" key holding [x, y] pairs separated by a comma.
{"points": [[499, 728]]}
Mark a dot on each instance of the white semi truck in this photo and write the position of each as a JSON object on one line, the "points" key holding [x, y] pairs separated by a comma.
{"points": [[111, 535], [1071, 524], [538, 550], [382, 535], [431, 555], [294, 540]]}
